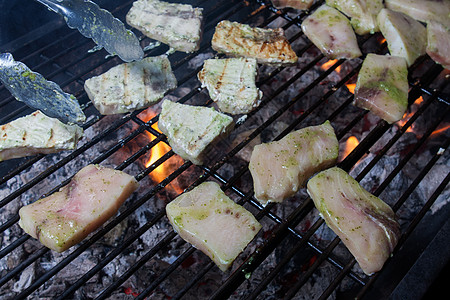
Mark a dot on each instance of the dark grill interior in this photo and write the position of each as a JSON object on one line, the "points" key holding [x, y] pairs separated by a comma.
{"points": [[136, 254]]}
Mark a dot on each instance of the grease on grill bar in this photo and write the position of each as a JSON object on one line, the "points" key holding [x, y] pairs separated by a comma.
{"points": [[295, 255]]}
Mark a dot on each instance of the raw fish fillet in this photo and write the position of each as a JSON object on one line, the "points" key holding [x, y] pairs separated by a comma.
{"points": [[438, 47], [366, 225], [423, 10], [37, 133], [66, 217], [231, 84], [213, 223], [332, 33], [382, 86], [267, 46], [279, 169]]}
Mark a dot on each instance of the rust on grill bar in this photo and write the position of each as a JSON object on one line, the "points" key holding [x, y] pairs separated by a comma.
{"points": [[137, 255]]}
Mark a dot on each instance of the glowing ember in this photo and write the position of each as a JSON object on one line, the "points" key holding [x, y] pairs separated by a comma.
{"points": [[350, 144], [351, 87], [407, 115], [440, 131], [329, 64]]}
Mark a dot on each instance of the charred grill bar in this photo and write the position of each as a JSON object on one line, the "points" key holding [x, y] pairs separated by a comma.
{"points": [[137, 254]]}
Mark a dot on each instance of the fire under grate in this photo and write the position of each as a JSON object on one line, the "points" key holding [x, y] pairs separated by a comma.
{"points": [[137, 255]]}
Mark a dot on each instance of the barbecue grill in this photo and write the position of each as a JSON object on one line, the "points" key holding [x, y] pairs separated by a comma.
{"points": [[136, 254]]}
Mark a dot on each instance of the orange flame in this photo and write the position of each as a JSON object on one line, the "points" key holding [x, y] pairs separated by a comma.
{"points": [[407, 115], [330, 63], [439, 131], [350, 144], [351, 87]]}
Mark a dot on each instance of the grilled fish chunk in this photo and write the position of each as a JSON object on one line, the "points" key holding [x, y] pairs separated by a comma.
{"points": [[363, 13], [231, 84], [382, 86], [438, 43], [297, 4], [213, 223], [37, 133], [177, 25], [191, 130], [66, 217], [267, 46], [423, 10], [279, 169], [366, 225], [332, 33], [405, 36], [131, 86]]}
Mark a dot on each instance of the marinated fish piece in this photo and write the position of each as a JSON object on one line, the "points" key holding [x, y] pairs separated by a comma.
{"points": [[366, 225], [191, 130], [297, 4], [231, 84], [131, 86], [66, 217], [423, 10], [267, 46], [177, 25], [382, 86], [37, 133], [279, 169], [213, 223], [405, 36], [363, 13], [332, 33], [438, 46]]}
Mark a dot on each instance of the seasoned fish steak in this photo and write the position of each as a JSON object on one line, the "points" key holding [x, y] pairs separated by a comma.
{"points": [[297, 4], [231, 84], [423, 10], [191, 130], [365, 224], [267, 46], [66, 217], [177, 25], [37, 133], [438, 43], [131, 86], [213, 223]]}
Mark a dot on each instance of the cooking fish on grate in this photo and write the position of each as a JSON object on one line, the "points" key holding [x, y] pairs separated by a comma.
{"points": [[332, 33], [405, 36], [39, 93], [267, 46], [382, 86], [177, 25], [213, 223], [279, 169], [366, 225], [363, 13], [438, 43], [191, 130], [66, 217], [297, 4], [231, 84], [131, 86], [37, 133], [423, 10]]}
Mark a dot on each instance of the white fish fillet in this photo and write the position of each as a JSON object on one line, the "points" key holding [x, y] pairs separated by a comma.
{"points": [[405, 36], [190, 130], [177, 25], [332, 33], [37, 133], [213, 223], [66, 217], [267, 46], [423, 10], [131, 86], [297, 4], [279, 169], [382, 86], [438, 43], [231, 84], [365, 224]]}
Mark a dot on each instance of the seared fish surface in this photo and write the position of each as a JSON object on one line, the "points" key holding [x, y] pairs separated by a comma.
{"points": [[279, 169], [177, 25], [231, 84], [37, 133], [190, 130], [131, 86], [66, 217], [366, 225], [213, 223], [267, 46]]}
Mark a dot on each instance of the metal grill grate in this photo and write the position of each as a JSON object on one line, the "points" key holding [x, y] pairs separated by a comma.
{"points": [[287, 258]]}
